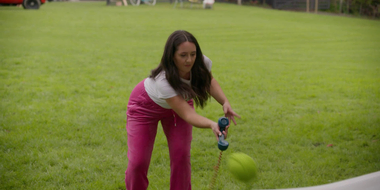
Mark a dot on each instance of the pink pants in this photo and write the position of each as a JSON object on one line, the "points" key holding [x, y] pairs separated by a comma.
{"points": [[143, 115]]}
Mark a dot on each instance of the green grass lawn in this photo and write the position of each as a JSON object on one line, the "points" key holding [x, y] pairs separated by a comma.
{"points": [[300, 82]]}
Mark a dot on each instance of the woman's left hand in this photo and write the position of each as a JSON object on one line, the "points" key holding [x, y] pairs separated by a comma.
{"points": [[230, 114]]}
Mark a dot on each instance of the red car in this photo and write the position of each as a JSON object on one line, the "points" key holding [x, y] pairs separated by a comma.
{"points": [[27, 4]]}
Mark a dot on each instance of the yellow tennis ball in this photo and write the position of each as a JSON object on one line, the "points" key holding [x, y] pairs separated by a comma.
{"points": [[242, 167]]}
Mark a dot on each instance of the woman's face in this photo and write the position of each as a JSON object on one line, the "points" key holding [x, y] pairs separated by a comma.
{"points": [[184, 59]]}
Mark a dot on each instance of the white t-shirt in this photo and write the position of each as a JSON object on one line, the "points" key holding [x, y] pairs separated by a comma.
{"points": [[159, 90]]}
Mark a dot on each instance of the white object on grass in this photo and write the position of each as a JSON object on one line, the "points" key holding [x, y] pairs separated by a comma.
{"points": [[208, 4], [365, 182]]}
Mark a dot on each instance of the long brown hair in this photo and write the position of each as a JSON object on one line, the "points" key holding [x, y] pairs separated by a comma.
{"points": [[201, 76]]}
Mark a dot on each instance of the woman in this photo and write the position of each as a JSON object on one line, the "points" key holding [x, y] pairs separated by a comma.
{"points": [[167, 95]]}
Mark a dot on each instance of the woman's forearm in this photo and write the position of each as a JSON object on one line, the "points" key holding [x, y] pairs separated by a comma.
{"points": [[217, 93]]}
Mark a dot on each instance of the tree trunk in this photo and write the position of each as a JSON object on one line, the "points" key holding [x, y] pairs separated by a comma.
{"points": [[340, 6], [316, 6], [374, 10], [307, 5]]}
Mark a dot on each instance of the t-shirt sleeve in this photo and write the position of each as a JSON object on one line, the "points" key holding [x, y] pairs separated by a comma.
{"points": [[207, 62], [164, 90]]}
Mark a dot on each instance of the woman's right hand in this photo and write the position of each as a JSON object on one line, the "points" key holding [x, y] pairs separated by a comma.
{"points": [[215, 130]]}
